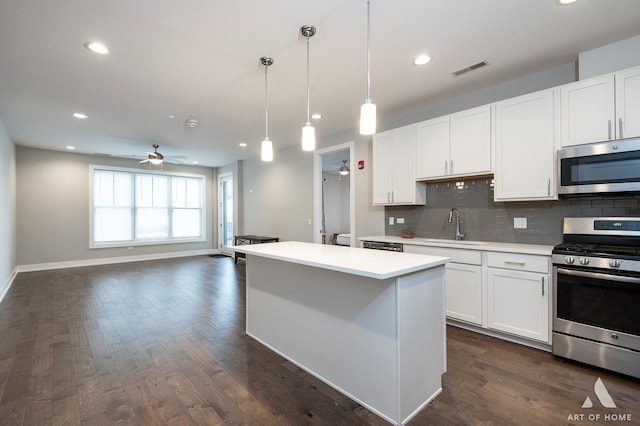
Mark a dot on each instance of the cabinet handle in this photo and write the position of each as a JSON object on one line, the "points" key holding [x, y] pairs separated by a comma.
{"points": [[392, 196], [542, 287], [513, 262], [451, 167], [549, 187], [609, 123], [620, 128], [446, 167], [388, 197]]}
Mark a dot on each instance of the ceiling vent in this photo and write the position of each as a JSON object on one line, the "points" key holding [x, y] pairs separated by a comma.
{"points": [[469, 68]]}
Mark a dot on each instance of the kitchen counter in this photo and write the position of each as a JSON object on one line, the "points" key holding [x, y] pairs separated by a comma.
{"points": [[350, 260], [544, 250], [370, 324]]}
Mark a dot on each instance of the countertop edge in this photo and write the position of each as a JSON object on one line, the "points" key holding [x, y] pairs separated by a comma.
{"points": [[535, 249]]}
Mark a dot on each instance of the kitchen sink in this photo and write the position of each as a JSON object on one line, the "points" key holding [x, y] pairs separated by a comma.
{"points": [[460, 242]]}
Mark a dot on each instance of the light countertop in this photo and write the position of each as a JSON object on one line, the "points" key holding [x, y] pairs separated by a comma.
{"points": [[351, 260], [538, 249]]}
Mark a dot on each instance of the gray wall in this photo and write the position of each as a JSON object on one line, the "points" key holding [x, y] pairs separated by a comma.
{"points": [[53, 208], [277, 197], [7, 207], [483, 219]]}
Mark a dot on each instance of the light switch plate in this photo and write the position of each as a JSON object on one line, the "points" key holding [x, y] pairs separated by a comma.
{"points": [[390, 220], [520, 222]]}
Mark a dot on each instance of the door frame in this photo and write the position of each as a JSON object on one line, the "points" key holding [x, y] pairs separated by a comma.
{"points": [[317, 190], [221, 178]]}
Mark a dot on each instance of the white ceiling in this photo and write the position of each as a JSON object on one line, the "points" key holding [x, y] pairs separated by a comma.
{"points": [[201, 57]]}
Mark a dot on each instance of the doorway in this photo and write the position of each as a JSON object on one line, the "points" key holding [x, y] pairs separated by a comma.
{"points": [[334, 195], [225, 212]]}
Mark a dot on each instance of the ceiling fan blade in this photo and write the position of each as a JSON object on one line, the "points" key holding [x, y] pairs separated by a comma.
{"points": [[144, 161]]}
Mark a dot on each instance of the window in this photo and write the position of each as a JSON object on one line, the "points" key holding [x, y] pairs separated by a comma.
{"points": [[132, 207]]}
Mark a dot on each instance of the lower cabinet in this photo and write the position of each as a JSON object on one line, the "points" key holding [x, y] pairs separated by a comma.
{"points": [[517, 298], [464, 292]]}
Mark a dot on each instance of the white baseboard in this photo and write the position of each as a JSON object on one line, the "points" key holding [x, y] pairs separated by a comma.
{"points": [[4, 288], [112, 260]]}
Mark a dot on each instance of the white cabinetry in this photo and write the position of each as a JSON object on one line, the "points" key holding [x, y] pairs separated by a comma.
{"points": [[601, 108], [454, 145], [463, 278], [394, 179], [518, 295], [525, 148]]}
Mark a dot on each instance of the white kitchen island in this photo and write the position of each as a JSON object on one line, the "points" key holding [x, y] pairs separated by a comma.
{"points": [[369, 323]]}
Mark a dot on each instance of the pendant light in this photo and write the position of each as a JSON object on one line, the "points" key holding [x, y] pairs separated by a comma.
{"points": [[308, 132], [267, 145], [368, 109]]}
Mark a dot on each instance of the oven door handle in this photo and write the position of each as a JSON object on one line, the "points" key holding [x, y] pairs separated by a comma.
{"points": [[599, 276]]}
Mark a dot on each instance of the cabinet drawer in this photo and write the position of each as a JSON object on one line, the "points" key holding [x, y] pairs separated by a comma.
{"points": [[516, 261], [471, 257]]}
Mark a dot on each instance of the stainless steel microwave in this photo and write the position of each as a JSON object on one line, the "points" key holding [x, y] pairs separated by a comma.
{"points": [[602, 167]]}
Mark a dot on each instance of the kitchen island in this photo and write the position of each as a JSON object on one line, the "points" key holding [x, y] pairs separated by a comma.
{"points": [[369, 323]]}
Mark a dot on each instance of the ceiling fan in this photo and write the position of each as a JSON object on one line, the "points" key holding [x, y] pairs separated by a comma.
{"points": [[157, 158]]}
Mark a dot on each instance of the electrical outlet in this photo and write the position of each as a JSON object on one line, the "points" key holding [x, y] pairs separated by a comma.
{"points": [[400, 220], [520, 222], [391, 220]]}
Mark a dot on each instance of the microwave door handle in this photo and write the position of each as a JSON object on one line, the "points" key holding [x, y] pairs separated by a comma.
{"points": [[598, 275]]}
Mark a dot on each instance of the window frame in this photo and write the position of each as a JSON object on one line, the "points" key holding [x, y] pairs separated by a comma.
{"points": [[147, 241]]}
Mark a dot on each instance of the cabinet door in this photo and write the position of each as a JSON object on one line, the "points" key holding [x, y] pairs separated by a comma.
{"points": [[587, 111], [470, 142], [432, 148], [464, 292], [628, 103], [381, 177], [402, 166], [525, 148], [518, 303]]}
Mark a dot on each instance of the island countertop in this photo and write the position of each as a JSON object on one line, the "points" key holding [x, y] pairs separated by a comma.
{"points": [[376, 264]]}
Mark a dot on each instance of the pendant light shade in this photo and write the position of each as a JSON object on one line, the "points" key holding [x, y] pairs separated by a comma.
{"points": [[368, 109], [266, 151], [308, 132], [266, 148]]}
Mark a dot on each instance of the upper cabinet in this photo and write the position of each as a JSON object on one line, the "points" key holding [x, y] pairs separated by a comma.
{"points": [[454, 145], [600, 108], [394, 178], [525, 148]]}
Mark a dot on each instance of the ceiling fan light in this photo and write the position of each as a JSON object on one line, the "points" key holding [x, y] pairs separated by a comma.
{"points": [[308, 138], [368, 118], [156, 161], [344, 169], [266, 150]]}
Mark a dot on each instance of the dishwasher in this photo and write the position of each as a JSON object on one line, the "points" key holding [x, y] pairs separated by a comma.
{"points": [[382, 245]]}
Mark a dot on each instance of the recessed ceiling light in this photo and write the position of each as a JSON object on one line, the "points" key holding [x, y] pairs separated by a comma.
{"points": [[422, 59], [565, 2], [97, 47], [242, 144], [70, 147], [80, 115], [316, 116], [171, 116], [196, 162]]}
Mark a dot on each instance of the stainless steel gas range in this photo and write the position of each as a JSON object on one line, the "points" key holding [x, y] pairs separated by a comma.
{"points": [[597, 293]]}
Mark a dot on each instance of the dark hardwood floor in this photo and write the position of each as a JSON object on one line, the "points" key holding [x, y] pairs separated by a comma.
{"points": [[163, 342]]}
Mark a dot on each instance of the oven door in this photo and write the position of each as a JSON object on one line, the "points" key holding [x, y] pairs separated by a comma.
{"points": [[598, 306]]}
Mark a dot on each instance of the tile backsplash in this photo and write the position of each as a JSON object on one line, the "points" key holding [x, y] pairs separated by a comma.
{"points": [[482, 219]]}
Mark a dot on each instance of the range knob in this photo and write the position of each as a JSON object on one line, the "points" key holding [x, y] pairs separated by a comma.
{"points": [[584, 260], [569, 260], [614, 263]]}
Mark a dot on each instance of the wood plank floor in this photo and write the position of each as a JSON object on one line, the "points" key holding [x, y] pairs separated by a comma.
{"points": [[163, 342]]}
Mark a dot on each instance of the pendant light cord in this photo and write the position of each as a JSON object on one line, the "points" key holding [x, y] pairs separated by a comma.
{"points": [[308, 89], [368, 51], [266, 110]]}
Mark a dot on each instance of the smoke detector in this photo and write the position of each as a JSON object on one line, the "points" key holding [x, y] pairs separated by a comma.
{"points": [[192, 122]]}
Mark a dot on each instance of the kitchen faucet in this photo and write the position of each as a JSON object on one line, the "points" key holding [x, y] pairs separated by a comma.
{"points": [[459, 235]]}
